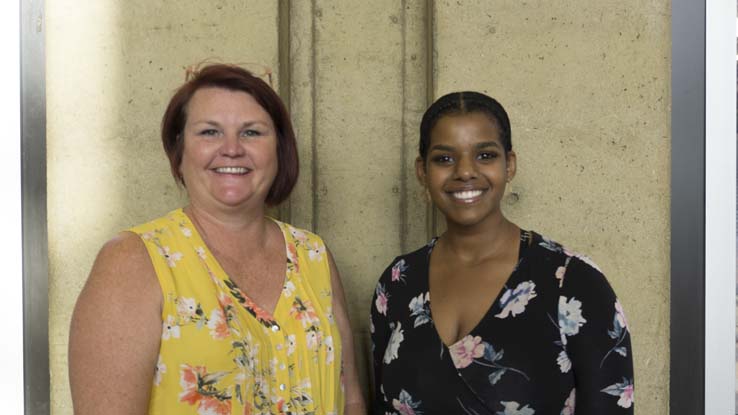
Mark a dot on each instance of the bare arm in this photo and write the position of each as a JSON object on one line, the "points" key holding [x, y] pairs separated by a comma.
{"points": [[354, 396], [115, 332]]}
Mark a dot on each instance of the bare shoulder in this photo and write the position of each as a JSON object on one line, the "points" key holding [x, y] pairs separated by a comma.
{"points": [[116, 330], [124, 253]]}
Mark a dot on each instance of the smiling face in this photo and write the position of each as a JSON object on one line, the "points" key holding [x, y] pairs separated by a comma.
{"points": [[230, 150], [466, 168]]}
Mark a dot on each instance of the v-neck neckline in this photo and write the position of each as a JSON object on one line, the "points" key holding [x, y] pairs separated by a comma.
{"points": [[526, 237], [220, 272]]}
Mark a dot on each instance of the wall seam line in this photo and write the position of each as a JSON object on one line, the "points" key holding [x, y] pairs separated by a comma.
{"points": [[313, 128], [285, 79], [403, 144]]}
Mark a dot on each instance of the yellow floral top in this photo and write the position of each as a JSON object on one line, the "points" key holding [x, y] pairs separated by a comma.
{"points": [[220, 352]]}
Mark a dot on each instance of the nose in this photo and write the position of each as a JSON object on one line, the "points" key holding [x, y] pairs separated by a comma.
{"points": [[231, 145], [465, 169]]}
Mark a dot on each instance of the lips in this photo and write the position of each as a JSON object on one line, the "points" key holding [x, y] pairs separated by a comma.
{"points": [[466, 196], [232, 170]]}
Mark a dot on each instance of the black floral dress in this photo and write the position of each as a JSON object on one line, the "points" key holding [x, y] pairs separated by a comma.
{"points": [[554, 341]]}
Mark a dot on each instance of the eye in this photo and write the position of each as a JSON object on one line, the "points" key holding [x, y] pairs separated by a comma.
{"points": [[442, 159], [209, 132], [488, 155], [251, 133]]}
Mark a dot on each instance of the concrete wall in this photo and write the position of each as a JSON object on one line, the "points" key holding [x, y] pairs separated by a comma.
{"points": [[586, 86]]}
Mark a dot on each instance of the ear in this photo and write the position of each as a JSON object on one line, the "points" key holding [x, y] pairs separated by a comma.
{"points": [[420, 170], [511, 161]]}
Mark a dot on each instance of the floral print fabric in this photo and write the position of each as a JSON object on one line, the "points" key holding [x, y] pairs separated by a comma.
{"points": [[220, 352], [555, 341]]}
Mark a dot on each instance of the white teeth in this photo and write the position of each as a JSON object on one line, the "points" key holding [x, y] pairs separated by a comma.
{"points": [[467, 194], [232, 170]]}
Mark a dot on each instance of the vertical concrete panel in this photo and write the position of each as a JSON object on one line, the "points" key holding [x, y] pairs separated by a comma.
{"points": [[302, 97], [111, 68], [587, 89], [414, 231], [358, 91], [358, 115]]}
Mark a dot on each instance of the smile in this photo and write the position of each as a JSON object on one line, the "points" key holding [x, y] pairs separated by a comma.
{"points": [[232, 170], [467, 196]]}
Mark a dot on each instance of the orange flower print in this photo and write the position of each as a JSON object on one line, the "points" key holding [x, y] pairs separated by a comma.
{"points": [[224, 299], [188, 380], [292, 257], [198, 388], [214, 406], [218, 326], [304, 312]]}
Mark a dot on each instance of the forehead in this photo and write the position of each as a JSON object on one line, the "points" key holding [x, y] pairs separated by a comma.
{"points": [[473, 126], [214, 101]]}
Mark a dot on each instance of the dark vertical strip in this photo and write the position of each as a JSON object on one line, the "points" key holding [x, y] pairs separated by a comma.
{"points": [[403, 144], [33, 199], [313, 114], [687, 378], [285, 78], [431, 213]]}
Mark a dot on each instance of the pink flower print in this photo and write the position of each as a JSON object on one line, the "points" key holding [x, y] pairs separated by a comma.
{"points": [[186, 308], [160, 369], [570, 403], [398, 271], [466, 350], [185, 231], [201, 253], [299, 235], [312, 339], [623, 390], [169, 329], [382, 300], [620, 315], [171, 257], [329, 351], [291, 344], [560, 271], [218, 326], [316, 251], [626, 397], [404, 404]]}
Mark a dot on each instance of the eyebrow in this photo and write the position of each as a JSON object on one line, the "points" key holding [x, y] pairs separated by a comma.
{"points": [[484, 144], [244, 125]]}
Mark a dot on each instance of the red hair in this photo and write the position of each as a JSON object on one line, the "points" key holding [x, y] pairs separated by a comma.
{"points": [[234, 78]]}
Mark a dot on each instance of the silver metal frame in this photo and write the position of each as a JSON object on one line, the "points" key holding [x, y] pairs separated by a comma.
{"points": [[687, 377], [33, 182]]}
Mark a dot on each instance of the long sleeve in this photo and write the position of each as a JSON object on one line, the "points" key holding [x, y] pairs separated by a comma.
{"points": [[596, 339]]}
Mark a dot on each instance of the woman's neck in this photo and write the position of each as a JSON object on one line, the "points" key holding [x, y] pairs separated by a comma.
{"points": [[226, 231], [489, 239]]}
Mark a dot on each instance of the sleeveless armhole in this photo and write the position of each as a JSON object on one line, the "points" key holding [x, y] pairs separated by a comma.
{"points": [[162, 271]]}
